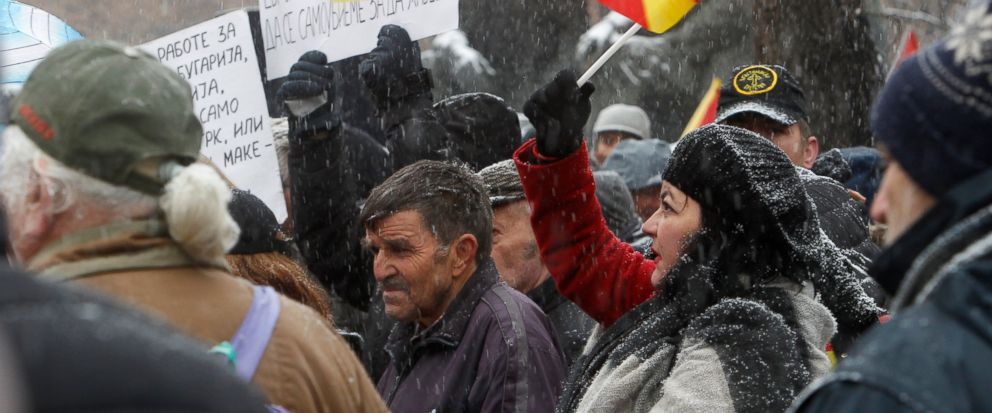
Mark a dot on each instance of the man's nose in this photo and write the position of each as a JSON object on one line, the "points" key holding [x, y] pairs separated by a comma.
{"points": [[879, 207]]}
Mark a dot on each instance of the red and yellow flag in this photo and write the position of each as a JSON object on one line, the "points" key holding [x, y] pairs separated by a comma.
{"points": [[655, 15], [705, 113]]}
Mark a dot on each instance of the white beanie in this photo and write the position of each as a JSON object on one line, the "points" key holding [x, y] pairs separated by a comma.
{"points": [[623, 118]]}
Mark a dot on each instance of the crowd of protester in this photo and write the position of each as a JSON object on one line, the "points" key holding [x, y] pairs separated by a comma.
{"points": [[468, 256]]}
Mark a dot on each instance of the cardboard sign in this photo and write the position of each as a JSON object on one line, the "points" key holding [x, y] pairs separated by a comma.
{"points": [[218, 60], [343, 28]]}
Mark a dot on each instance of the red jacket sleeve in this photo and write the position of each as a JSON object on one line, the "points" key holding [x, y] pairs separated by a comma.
{"points": [[602, 275]]}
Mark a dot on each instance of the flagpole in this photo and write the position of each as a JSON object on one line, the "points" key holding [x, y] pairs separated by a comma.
{"points": [[608, 54]]}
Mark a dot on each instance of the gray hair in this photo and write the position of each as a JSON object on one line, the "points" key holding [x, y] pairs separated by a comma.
{"points": [[194, 202]]}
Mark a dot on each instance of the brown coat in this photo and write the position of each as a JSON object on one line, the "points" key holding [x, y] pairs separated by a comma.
{"points": [[307, 367]]}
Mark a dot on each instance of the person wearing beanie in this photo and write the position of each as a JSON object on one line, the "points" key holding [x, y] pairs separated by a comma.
{"points": [[112, 198], [641, 163], [617, 123], [263, 256], [931, 122], [518, 260], [733, 307]]}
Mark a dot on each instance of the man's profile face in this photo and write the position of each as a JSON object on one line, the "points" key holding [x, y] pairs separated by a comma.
{"points": [[606, 142], [788, 138], [410, 266], [515, 249], [899, 202]]}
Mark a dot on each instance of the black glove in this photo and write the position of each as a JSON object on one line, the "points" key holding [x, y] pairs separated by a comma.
{"points": [[308, 95], [393, 71], [558, 111]]}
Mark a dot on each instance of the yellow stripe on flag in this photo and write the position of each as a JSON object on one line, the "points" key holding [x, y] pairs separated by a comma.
{"points": [[706, 111], [663, 14]]}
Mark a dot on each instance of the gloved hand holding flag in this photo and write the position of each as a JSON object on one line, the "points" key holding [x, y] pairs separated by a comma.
{"points": [[655, 15]]}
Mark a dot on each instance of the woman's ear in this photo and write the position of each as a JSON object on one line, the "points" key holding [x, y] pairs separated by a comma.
{"points": [[463, 251]]}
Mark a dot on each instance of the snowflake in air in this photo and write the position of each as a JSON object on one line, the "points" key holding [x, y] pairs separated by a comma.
{"points": [[970, 40]]}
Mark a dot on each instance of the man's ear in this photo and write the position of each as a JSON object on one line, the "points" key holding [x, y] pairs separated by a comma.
{"points": [[811, 152], [462, 252]]}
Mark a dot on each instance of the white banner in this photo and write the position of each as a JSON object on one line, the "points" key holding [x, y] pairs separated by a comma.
{"points": [[217, 58], [343, 28]]}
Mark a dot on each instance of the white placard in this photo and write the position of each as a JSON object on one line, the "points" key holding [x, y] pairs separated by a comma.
{"points": [[217, 58], [343, 28]]}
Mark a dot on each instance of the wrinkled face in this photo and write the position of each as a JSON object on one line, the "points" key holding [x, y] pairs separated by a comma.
{"points": [[788, 138], [671, 226], [515, 248], [411, 267], [899, 202], [606, 141], [647, 201]]}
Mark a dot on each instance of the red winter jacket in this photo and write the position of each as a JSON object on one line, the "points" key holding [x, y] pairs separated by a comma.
{"points": [[602, 275]]}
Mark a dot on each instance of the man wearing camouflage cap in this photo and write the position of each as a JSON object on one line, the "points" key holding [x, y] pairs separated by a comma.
{"points": [[519, 261], [100, 187]]}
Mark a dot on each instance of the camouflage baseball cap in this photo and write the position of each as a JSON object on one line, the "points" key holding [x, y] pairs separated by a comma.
{"points": [[109, 111]]}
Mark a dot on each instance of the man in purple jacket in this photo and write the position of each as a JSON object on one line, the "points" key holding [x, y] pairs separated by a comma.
{"points": [[466, 342]]}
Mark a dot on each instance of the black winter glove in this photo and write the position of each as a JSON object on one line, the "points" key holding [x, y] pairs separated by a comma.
{"points": [[393, 71], [558, 111], [308, 94]]}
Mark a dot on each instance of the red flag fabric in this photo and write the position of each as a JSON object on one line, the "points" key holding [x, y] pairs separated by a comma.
{"points": [[655, 15], [909, 46]]}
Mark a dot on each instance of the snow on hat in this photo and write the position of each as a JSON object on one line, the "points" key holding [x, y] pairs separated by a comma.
{"points": [[104, 109], [767, 90], [502, 182], [623, 118], [640, 163], [738, 175], [749, 190], [935, 112]]}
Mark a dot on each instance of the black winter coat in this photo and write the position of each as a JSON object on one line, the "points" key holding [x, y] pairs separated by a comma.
{"points": [[572, 326], [845, 221], [82, 352], [934, 355]]}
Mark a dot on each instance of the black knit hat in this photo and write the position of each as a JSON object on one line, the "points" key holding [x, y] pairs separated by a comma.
{"points": [[481, 128], [935, 112], [757, 214], [743, 179], [259, 227]]}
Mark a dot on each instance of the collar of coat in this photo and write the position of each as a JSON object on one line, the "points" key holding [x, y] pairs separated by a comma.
{"points": [[118, 246], [406, 338], [893, 264]]}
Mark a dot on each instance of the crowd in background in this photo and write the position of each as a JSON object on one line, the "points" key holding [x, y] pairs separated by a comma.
{"points": [[468, 253]]}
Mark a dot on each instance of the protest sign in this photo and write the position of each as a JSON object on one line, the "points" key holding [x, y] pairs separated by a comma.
{"points": [[218, 60], [343, 28]]}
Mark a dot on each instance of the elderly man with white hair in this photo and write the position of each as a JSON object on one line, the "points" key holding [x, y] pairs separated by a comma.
{"points": [[101, 189]]}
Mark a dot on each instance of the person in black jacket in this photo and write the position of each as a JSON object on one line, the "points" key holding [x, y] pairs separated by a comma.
{"points": [[931, 121], [81, 352]]}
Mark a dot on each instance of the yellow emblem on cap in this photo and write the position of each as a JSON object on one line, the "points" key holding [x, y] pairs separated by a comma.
{"points": [[755, 80]]}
